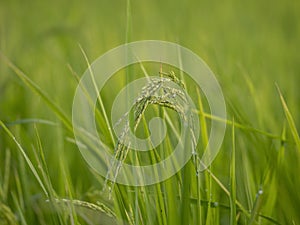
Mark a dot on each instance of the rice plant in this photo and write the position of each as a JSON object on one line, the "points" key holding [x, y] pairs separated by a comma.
{"points": [[252, 47]]}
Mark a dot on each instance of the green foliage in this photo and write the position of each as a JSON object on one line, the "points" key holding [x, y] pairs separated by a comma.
{"points": [[251, 46]]}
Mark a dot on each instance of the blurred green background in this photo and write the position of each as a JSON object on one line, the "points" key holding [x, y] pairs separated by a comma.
{"points": [[259, 39], [249, 45]]}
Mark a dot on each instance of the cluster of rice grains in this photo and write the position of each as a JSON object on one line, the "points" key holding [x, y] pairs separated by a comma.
{"points": [[165, 91]]}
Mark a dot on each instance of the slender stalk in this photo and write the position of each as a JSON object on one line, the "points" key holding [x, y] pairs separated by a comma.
{"points": [[232, 180]]}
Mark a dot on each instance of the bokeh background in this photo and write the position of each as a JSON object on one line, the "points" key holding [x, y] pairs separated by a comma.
{"points": [[250, 46]]}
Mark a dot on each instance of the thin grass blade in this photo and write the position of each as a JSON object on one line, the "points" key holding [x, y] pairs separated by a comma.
{"points": [[232, 180], [35, 88], [27, 159], [290, 120]]}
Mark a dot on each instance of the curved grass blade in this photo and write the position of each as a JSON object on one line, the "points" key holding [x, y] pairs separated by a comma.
{"points": [[99, 98], [30, 121], [290, 120], [35, 88], [211, 204], [6, 215], [28, 161]]}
